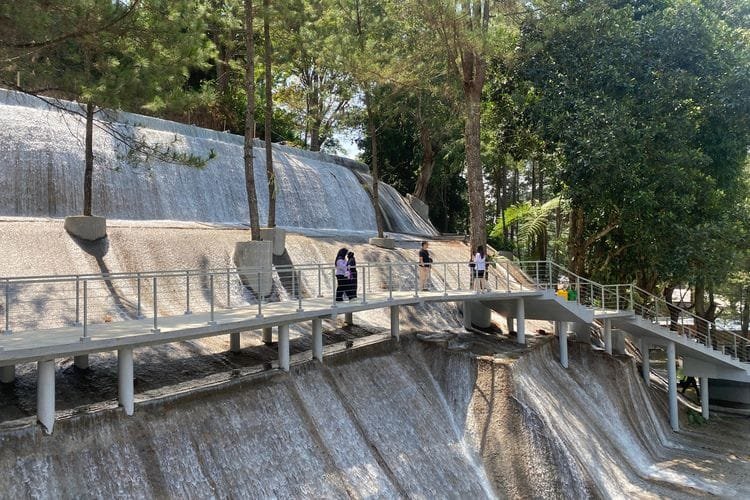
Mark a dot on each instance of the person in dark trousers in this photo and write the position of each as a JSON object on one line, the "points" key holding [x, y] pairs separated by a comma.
{"points": [[351, 263], [425, 266], [342, 274]]}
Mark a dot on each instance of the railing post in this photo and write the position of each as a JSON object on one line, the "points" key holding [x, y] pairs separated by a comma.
{"points": [[603, 299], [507, 276], [78, 301], [294, 282], [591, 294], [229, 291], [335, 284], [320, 281], [536, 277], [259, 297], [7, 330], [416, 280], [211, 320], [708, 335], [369, 275], [656, 310], [458, 276], [735, 354], [617, 297], [445, 279], [299, 292], [187, 292], [365, 281], [390, 281], [155, 329], [138, 293], [632, 304], [578, 289]]}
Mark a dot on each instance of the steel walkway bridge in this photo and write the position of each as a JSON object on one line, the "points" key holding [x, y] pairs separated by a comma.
{"points": [[49, 317]]}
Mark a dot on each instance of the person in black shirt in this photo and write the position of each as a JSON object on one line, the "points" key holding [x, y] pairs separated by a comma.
{"points": [[425, 266], [351, 289]]}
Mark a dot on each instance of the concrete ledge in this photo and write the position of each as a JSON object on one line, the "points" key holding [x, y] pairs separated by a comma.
{"points": [[276, 236], [387, 243], [250, 257], [86, 227]]}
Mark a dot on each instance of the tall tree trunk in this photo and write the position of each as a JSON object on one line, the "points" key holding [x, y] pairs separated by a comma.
{"points": [[474, 175], [427, 165], [576, 241], [315, 133], [745, 314], [88, 171], [252, 197], [374, 169], [269, 114]]}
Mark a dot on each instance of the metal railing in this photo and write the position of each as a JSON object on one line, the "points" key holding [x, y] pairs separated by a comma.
{"points": [[628, 297], [46, 302]]}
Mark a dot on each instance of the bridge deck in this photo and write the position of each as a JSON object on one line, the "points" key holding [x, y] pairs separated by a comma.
{"points": [[34, 345]]}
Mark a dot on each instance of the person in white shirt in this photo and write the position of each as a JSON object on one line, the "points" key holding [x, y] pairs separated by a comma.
{"points": [[480, 270]]}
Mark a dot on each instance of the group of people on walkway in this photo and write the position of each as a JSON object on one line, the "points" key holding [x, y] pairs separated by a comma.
{"points": [[346, 275], [346, 271]]}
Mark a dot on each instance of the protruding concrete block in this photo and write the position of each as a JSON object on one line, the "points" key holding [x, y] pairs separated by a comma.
{"points": [[704, 397], [45, 394], [276, 236], [81, 362], [674, 420], [562, 334], [86, 227], [618, 342], [387, 243], [252, 258], [7, 374], [480, 315], [422, 208], [608, 336]]}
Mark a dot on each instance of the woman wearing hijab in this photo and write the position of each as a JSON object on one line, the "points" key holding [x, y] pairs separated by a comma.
{"points": [[342, 274], [351, 264]]}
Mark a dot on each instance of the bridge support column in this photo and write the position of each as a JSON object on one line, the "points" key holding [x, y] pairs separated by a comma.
{"points": [[317, 334], [466, 311], [520, 322], [562, 333], [672, 380], [45, 394], [395, 321], [349, 319], [234, 342], [7, 374], [608, 336], [81, 362], [125, 379], [646, 361], [284, 347], [268, 335], [704, 397]]}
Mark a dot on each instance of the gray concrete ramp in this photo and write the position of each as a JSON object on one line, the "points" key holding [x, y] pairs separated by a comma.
{"points": [[545, 306]]}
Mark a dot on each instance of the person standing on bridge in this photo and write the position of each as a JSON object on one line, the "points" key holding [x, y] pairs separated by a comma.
{"points": [[425, 266], [351, 265], [342, 274], [480, 268]]}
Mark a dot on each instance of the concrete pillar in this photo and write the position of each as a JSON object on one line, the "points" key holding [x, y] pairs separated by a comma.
{"points": [[562, 333], [7, 374], [608, 336], [395, 322], [646, 358], [268, 335], [234, 342], [349, 319], [704, 397], [45, 394], [466, 309], [317, 333], [672, 380], [284, 347], [618, 342], [81, 362], [520, 322], [125, 379], [509, 323]]}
